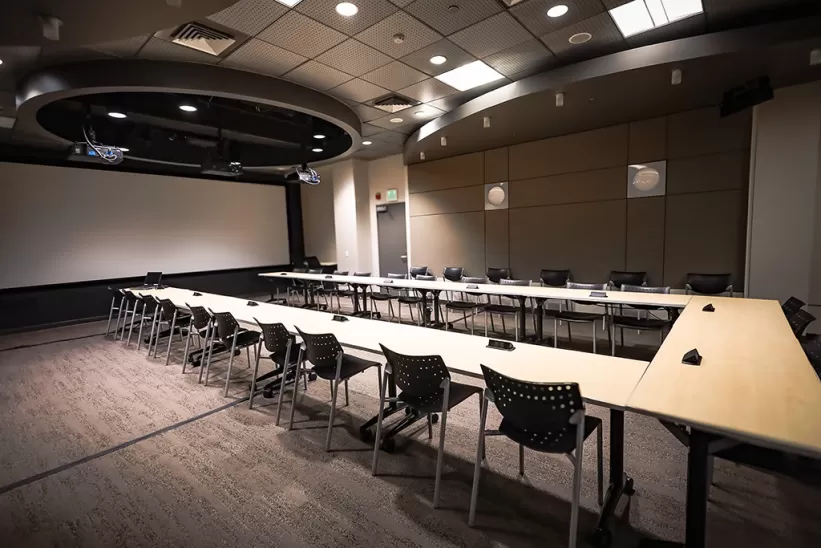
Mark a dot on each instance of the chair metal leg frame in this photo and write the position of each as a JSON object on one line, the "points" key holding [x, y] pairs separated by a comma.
{"points": [[119, 334], [171, 337], [577, 474], [157, 313], [111, 313], [187, 346], [133, 318], [157, 335], [142, 323], [334, 387], [119, 313], [230, 362], [300, 366], [283, 382], [258, 351], [209, 349]]}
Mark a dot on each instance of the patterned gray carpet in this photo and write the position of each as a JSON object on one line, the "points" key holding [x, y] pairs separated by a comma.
{"points": [[102, 446]]}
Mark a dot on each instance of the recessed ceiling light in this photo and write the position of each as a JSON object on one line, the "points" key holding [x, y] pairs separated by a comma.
{"points": [[1, 61], [557, 11], [317, 150], [397, 120], [580, 38], [118, 115], [188, 108], [642, 15], [319, 136], [420, 113], [367, 143], [346, 9], [289, 3], [438, 59], [469, 76]]}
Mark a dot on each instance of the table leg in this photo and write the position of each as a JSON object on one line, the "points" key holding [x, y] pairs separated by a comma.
{"points": [[355, 299], [425, 319], [539, 319], [620, 483], [697, 469], [523, 318]]}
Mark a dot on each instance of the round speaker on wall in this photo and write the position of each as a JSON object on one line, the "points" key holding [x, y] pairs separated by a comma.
{"points": [[496, 195]]}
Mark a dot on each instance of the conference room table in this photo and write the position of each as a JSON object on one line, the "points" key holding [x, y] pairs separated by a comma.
{"points": [[603, 380], [539, 294]]}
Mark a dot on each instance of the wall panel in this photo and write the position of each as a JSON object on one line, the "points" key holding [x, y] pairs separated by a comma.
{"points": [[645, 237], [703, 131], [454, 172], [496, 165], [497, 239], [455, 239], [586, 186], [453, 200], [723, 171], [648, 140]]}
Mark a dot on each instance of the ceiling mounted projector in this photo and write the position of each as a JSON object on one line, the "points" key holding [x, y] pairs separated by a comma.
{"points": [[307, 175]]}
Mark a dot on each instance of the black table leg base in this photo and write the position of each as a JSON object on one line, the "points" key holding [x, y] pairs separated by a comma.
{"points": [[602, 535]]}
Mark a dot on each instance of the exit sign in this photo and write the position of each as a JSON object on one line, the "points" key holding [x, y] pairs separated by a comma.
{"points": [[391, 195]]}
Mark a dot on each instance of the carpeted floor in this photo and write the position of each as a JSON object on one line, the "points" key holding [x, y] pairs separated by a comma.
{"points": [[102, 446]]}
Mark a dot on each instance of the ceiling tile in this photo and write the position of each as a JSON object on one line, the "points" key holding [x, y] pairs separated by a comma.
{"points": [[425, 112], [408, 125], [428, 90], [456, 57], [159, 49], [354, 57], [533, 14], [358, 90], [401, 3], [324, 11], [295, 32], [250, 16], [367, 113], [493, 35], [368, 130], [437, 13], [380, 36], [264, 58], [394, 76], [606, 38], [122, 48], [610, 4], [318, 76], [527, 56], [389, 137]]}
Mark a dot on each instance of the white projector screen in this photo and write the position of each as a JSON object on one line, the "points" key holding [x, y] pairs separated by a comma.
{"points": [[60, 225]]}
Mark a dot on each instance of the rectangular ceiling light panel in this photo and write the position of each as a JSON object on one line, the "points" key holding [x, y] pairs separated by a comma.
{"points": [[289, 3], [642, 15], [469, 76]]}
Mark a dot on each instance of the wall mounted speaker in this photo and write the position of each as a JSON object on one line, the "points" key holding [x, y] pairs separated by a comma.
{"points": [[496, 196]]}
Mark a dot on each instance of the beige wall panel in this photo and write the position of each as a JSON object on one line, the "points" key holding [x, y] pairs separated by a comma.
{"points": [[496, 165], [497, 250], [705, 232], [648, 140], [587, 238], [586, 186], [589, 150], [464, 170], [645, 237], [702, 131], [724, 171], [454, 200], [455, 239]]}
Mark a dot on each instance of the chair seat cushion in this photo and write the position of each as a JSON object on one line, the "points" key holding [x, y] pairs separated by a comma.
{"points": [[640, 323], [351, 365], [382, 296], [462, 305], [502, 308], [245, 338], [573, 316], [433, 404], [560, 441], [279, 357], [409, 300]]}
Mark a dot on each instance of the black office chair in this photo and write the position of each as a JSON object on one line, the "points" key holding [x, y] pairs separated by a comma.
{"points": [[131, 303], [233, 337], [494, 275], [572, 316], [418, 271], [426, 388], [313, 287], [146, 306], [331, 363], [507, 306], [470, 303], [649, 323], [791, 306], [348, 291], [428, 278], [800, 321], [544, 417], [201, 325], [175, 319], [452, 274], [297, 287], [387, 295], [554, 278], [813, 351], [709, 284], [312, 263], [620, 277], [284, 353], [328, 290]]}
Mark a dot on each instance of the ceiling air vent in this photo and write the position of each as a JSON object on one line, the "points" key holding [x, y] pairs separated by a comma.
{"points": [[394, 103], [202, 38]]}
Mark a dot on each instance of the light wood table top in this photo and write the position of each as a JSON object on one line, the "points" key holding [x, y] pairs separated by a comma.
{"points": [[754, 384], [603, 380], [534, 291]]}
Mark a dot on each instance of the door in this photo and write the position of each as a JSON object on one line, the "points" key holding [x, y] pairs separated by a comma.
{"points": [[393, 241]]}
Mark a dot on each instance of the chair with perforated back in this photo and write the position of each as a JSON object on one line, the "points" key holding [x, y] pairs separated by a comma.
{"points": [[791, 306], [709, 284], [233, 337], [387, 294], [175, 319], [813, 351], [330, 289], [297, 287], [313, 287], [544, 417], [571, 315], [800, 321], [331, 363], [131, 304], [426, 388], [284, 353], [470, 303], [142, 313], [348, 291], [312, 262], [495, 275], [552, 278], [427, 278], [452, 274], [418, 271], [201, 325], [650, 323], [507, 306], [619, 278]]}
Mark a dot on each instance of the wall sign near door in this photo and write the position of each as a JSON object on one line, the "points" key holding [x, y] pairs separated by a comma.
{"points": [[392, 195]]}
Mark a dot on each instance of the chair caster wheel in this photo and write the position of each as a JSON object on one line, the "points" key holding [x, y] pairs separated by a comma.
{"points": [[388, 445], [434, 419], [601, 538], [365, 435], [311, 376]]}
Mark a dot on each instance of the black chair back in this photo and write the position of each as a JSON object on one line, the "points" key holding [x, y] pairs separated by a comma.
{"points": [[453, 273], [312, 262], [497, 274], [130, 297], [314, 271], [417, 376], [709, 284], [799, 322], [362, 274], [168, 308], [543, 409], [813, 351], [320, 349], [226, 325], [275, 336], [588, 287], [418, 271], [200, 316], [301, 270], [645, 289], [555, 278], [791, 306], [619, 278]]}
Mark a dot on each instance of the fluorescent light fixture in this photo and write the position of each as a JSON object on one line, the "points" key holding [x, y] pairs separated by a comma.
{"points": [[469, 76], [117, 115], [557, 11], [642, 15], [188, 108], [317, 150], [346, 9], [397, 120], [319, 136], [289, 3], [367, 143], [438, 59]]}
